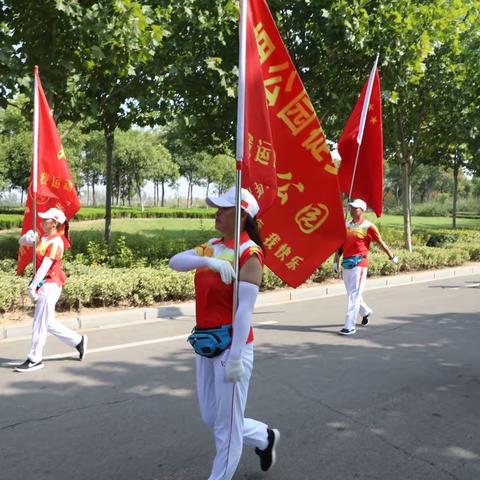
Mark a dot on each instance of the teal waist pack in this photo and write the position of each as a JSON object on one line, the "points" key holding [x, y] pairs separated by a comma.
{"points": [[352, 262], [210, 342]]}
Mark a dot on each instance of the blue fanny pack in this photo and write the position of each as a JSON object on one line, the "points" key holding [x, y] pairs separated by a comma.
{"points": [[352, 262], [210, 342]]}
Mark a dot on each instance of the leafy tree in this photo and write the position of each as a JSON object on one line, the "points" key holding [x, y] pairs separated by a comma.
{"points": [[94, 58], [190, 167], [198, 67], [17, 159], [133, 157], [225, 172], [93, 164], [162, 170]]}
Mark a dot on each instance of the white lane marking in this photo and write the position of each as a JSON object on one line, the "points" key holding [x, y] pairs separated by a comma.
{"points": [[120, 347], [125, 345]]}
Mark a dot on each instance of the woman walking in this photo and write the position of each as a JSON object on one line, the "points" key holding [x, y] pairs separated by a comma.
{"points": [[360, 234], [224, 357], [46, 287]]}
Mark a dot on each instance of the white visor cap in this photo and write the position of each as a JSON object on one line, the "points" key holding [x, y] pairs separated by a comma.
{"points": [[248, 201], [358, 203], [55, 214]]}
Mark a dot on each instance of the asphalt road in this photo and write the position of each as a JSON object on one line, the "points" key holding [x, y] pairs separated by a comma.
{"points": [[399, 400]]}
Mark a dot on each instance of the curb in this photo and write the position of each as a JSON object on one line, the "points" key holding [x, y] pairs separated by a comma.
{"points": [[133, 316]]}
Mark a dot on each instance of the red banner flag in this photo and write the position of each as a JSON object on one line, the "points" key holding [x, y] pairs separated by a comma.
{"points": [[362, 177], [53, 186], [287, 162]]}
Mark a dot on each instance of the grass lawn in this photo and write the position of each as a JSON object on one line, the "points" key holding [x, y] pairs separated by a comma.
{"points": [[146, 226], [141, 226], [422, 223], [157, 238], [170, 227]]}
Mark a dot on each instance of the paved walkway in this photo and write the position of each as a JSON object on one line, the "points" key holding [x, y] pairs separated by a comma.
{"points": [[86, 321]]}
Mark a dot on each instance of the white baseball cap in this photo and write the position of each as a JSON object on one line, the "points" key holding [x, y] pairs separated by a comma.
{"points": [[55, 214], [248, 201], [358, 203]]}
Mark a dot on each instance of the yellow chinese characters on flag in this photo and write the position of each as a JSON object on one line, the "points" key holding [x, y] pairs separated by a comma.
{"points": [[288, 167], [54, 182]]}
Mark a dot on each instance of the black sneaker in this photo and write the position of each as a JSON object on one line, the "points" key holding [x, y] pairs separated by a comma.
{"points": [[28, 366], [82, 348], [366, 319], [267, 456], [346, 331]]}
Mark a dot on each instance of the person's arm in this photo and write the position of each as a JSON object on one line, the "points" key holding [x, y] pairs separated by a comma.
{"points": [[248, 287], [385, 248], [39, 276], [190, 260], [336, 259]]}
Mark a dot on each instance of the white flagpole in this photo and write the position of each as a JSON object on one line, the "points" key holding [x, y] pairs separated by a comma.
{"points": [[363, 119], [240, 144], [35, 161]]}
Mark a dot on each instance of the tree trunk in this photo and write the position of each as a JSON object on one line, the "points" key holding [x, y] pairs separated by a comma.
{"points": [[405, 161], [109, 139], [139, 188], [163, 194], [407, 203], [456, 169], [94, 203]]}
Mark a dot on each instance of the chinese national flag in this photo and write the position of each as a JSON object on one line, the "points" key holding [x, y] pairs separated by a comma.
{"points": [[287, 162], [54, 182], [368, 179]]}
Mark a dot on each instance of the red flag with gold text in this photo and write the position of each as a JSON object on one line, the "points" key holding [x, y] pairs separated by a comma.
{"points": [[54, 182], [287, 164], [368, 179]]}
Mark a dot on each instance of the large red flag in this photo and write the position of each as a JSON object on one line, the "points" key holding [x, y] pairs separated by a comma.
{"points": [[53, 186], [287, 162], [365, 179]]}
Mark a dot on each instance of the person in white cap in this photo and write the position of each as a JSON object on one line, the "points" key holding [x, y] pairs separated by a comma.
{"points": [[360, 234], [224, 370], [46, 287]]}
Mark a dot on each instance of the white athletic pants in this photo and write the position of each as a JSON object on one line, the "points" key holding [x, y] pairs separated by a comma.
{"points": [[44, 322], [222, 406], [354, 280]]}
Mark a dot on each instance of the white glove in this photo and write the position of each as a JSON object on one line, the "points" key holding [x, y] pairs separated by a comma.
{"points": [[234, 370], [335, 267], [32, 294], [28, 238], [223, 267], [394, 260], [31, 236]]}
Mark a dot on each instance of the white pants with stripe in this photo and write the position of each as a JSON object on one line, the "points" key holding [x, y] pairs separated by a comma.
{"points": [[222, 406], [354, 280], [44, 322]]}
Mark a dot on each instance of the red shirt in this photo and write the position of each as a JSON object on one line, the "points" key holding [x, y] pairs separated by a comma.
{"points": [[214, 299], [51, 247], [358, 240]]}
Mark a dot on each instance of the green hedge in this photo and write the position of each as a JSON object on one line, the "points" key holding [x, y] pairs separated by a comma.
{"points": [[8, 221], [101, 286], [13, 218]]}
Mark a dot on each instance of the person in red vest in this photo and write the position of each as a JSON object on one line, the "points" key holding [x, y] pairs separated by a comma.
{"points": [[360, 234], [46, 287], [224, 357]]}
